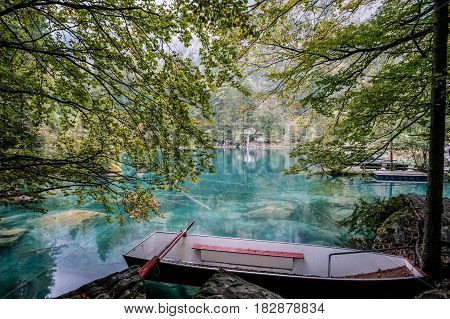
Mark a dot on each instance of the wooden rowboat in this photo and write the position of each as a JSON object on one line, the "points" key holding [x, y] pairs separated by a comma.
{"points": [[290, 269]]}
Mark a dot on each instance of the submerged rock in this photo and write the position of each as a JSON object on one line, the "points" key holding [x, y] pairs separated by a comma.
{"points": [[224, 285], [121, 285], [70, 218], [12, 232], [8, 241], [13, 218], [270, 212], [9, 237]]}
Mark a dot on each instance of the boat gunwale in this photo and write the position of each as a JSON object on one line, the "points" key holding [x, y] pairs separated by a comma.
{"points": [[266, 273], [141, 242]]}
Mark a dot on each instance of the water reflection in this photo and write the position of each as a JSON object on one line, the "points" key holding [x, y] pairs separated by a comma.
{"points": [[248, 197]]}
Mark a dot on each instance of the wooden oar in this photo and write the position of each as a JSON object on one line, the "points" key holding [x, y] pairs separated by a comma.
{"points": [[152, 262]]}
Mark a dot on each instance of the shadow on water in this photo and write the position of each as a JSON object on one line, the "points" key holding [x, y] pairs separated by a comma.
{"points": [[247, 197]]}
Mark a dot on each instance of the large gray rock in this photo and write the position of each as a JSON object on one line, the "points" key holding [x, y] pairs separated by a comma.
{"points": [[121, 285], [224, 285]]}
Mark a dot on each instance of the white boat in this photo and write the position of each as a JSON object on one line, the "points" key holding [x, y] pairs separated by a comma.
{"points": [[290, 269]]}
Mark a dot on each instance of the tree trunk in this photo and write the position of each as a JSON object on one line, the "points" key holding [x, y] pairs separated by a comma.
{"points": [[431, 258]]}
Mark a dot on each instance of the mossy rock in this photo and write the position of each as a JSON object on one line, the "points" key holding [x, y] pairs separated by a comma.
{"points": [[398, 218]]}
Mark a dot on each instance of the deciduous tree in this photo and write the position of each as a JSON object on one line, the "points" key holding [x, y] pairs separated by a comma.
{"points": [[83, 81]]}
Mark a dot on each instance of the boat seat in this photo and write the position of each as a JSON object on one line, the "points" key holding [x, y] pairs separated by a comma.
{"points": [[250, 251], [249, 257]]}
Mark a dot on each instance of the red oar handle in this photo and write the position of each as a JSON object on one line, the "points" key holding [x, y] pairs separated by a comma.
{"points": [[151, 263], [148, 267]]}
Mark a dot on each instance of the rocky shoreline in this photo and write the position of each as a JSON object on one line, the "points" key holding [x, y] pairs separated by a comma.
{"points": [[128, 285], [404, 227]]}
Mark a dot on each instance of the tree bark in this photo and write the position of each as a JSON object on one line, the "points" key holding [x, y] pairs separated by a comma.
{"points": [[431, 258]]}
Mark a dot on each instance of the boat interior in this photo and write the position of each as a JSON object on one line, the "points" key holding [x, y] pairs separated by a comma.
{"points": [[291, 259]]}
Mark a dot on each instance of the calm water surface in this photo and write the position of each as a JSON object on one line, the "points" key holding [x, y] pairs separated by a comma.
{"points": [[247, 197]]}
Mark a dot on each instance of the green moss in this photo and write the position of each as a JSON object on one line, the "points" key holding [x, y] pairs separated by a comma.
{"points": [[395, 217], [369, 216]]}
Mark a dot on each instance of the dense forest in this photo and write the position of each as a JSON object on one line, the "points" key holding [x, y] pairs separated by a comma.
{"points": [[88, 85]]}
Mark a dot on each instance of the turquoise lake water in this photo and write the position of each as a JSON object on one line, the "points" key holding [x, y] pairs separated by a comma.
{"points": [[247, 197]]}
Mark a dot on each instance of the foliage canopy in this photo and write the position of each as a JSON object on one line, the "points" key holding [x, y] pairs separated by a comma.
{"points": [[83, 82], [366, 64]]}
